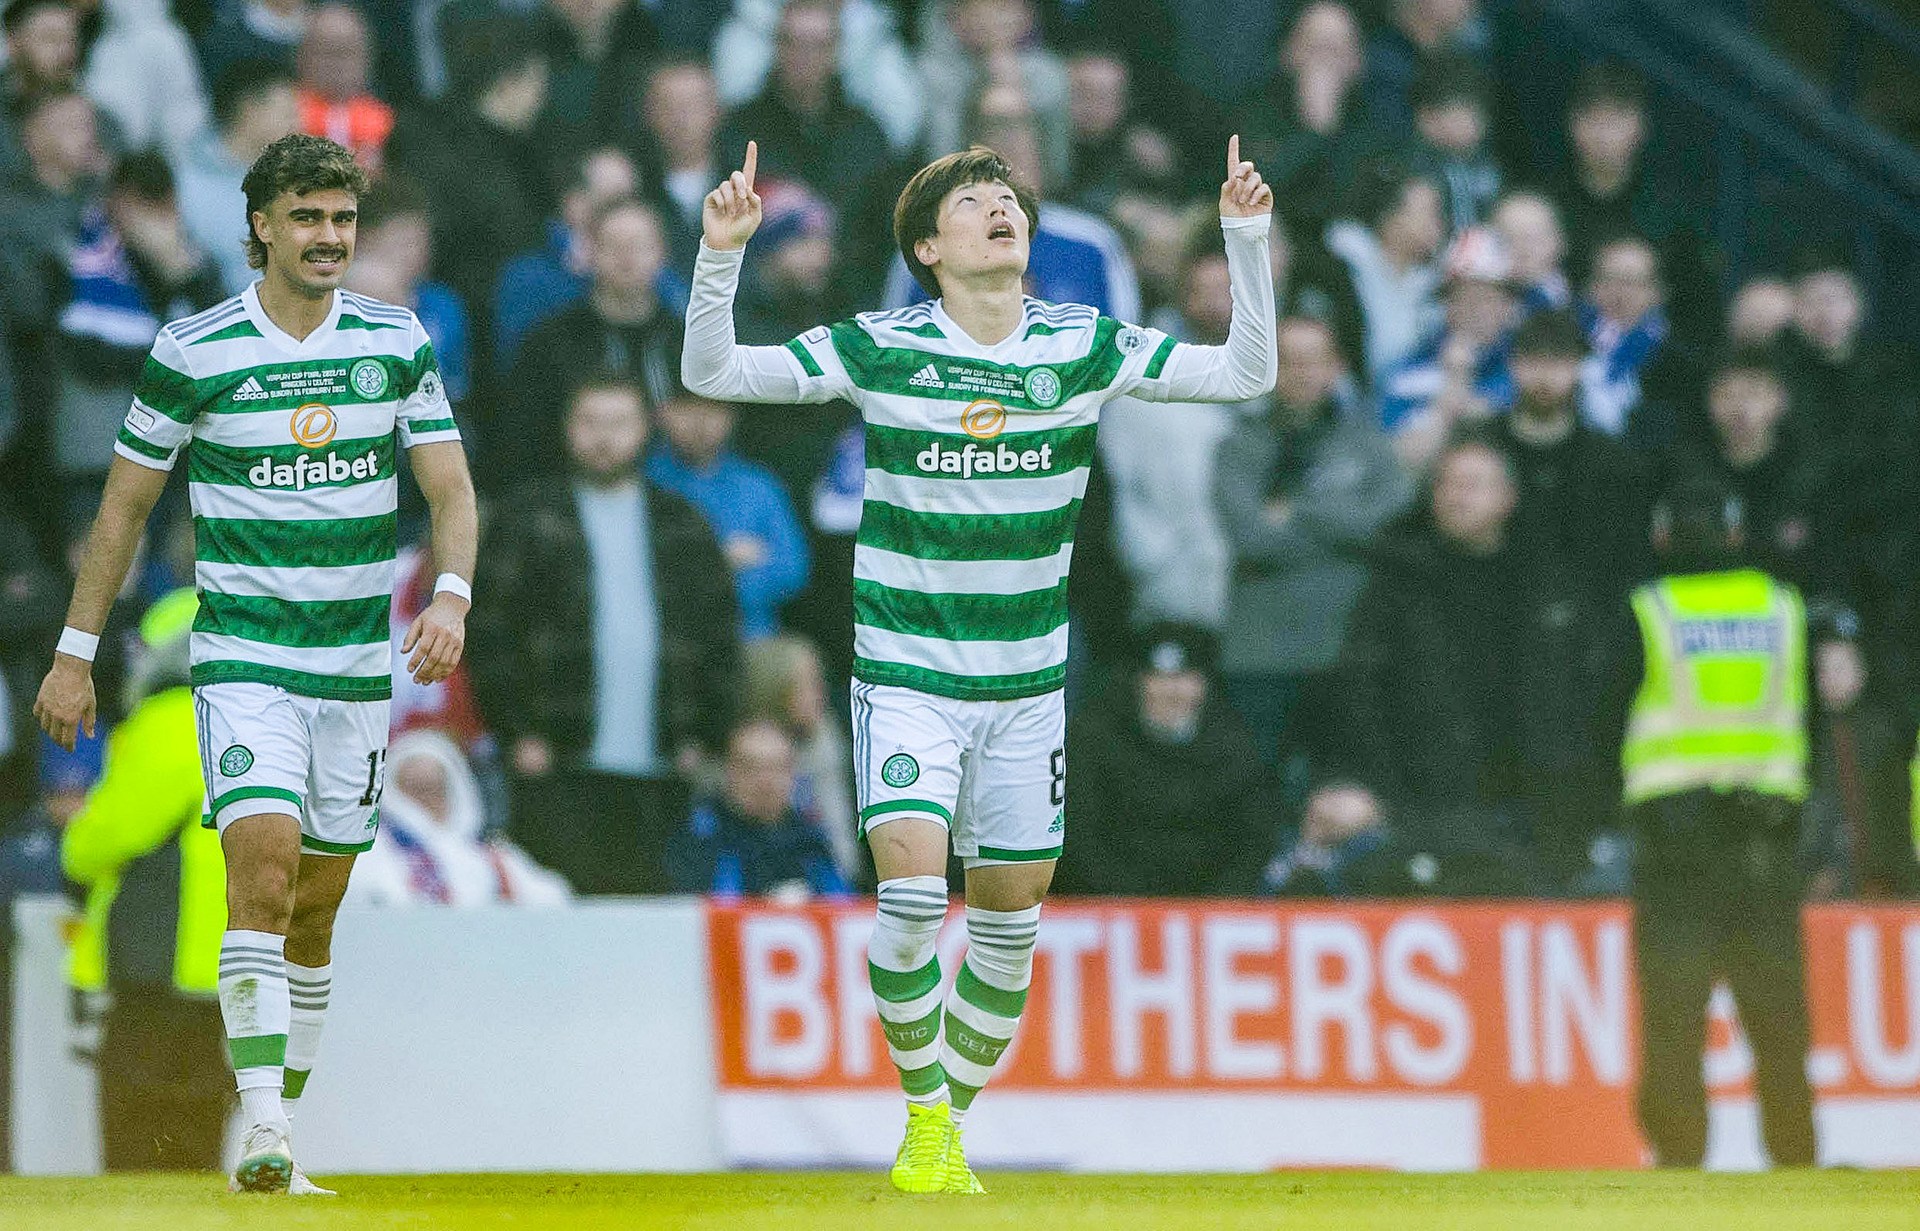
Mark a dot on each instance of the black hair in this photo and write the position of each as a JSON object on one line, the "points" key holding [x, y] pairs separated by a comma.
{"points": [[1552, 332], [916, 215], [1608, 84], [143, 174], [1378, 189], [298, 164]]}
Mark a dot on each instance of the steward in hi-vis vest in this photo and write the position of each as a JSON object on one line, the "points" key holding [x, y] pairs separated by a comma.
{"points": [[1710, 698]]}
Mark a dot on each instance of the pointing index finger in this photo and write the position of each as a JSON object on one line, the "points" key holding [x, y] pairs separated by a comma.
{"points": [[1233, 155], [753, 160]]}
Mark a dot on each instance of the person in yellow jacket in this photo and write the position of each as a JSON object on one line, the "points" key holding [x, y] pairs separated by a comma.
{"points": [[155, 909], [1712, 680]]}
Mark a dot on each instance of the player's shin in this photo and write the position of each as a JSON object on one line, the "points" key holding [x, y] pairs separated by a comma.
{"points": [[308, 989], [255, 1006], [984, 1007], [904, 969]]}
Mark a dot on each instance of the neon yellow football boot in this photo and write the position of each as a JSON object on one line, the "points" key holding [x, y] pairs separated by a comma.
{"points": [[960, 1177], [921, 1165]]}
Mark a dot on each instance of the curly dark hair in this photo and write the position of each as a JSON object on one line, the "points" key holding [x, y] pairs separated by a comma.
{"points": [[916, 216], [298, 164]]}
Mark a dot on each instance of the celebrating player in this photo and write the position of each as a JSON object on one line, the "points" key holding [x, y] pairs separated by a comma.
{"points": [[980, 410], [287, 399]]}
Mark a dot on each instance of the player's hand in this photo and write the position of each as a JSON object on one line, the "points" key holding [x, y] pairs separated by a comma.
{"points": [[436, 639], [1244, 194], [66, 704], [731, 213]]}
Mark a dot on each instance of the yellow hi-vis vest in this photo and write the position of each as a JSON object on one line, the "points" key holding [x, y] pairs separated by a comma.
{"points": [[1723, 703]]}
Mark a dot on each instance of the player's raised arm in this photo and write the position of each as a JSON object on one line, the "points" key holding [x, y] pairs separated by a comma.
{"points": [[712, 362], [1245, 366]]}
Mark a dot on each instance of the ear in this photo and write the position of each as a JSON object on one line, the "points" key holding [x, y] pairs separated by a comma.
{"points": [[258, 221], [928, 254]]}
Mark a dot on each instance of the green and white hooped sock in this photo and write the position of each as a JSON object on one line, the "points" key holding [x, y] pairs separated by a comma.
{"points": [[904, 969], [307, 988], [987, 999], [255, 1008]]}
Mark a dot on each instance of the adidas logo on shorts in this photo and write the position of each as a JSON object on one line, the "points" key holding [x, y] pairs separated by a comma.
{"points": [[251, 391], [927, 378]]}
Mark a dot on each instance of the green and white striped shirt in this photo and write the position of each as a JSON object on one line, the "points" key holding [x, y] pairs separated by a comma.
{"points": [[976, 457], [292, 448]]}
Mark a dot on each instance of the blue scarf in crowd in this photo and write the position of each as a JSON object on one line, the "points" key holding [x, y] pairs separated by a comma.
{"points": [[108, 304]]}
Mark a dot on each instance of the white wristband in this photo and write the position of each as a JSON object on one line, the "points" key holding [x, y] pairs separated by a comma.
{"points": [[77, 644], [454, 584]]}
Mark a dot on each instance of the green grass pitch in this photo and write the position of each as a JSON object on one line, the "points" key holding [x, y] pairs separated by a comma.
{"points": [[802, 1201]]}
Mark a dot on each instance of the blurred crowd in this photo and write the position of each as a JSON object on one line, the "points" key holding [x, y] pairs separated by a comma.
{"points": [[1346, 639]]}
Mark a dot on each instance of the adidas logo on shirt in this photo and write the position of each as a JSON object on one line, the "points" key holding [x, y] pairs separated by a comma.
{"points": [[927, 378], [251, 391]]}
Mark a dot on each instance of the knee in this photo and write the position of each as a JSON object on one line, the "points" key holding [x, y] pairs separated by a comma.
{"points": [[260, 897], [907, 923]]}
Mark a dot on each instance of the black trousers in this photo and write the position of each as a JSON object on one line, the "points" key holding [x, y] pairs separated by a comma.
{"points": [[1717, 896], [165, 1088], [606, 833]]}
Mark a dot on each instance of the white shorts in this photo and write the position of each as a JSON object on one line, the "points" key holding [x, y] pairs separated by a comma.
{"points": [[264, 749], [993, 772]]}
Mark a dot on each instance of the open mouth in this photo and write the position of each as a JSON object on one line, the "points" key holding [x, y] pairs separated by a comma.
{"points": [[1001, 230], [325, 262]]}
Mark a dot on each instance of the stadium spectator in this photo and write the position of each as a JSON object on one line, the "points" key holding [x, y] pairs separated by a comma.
{"points": [[605, 658], [392, 254], [43, 56], [681, 114], [1465, 687], [1388, 234], [254, 104], [1161, 749], [621, 326], [1347, 846], [336, 84], [1304, 129], [751, 840], [43, 208], [1583, 496], [1631, 349], [745, 504], [1117, 152], [479, 156], [807, 128], [1845, 388], [600, 51], [254, 29], [1760, 312], [1529, 225], [1075, 257], [1608, 190], [1458, 372], [1310, 281], [1301, 493], [1416, 34], [782, 681], [968, 47], [1450, 115], [434, 849], [539, 282], [1159, 458], [134, 268], [1781, 474], [156, 901], [144, 76], [876, 69]]}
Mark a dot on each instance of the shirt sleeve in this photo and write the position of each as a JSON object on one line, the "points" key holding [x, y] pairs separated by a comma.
{"points": [[424, 416], [165, 405], [1245, 366], [715, 365]]}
